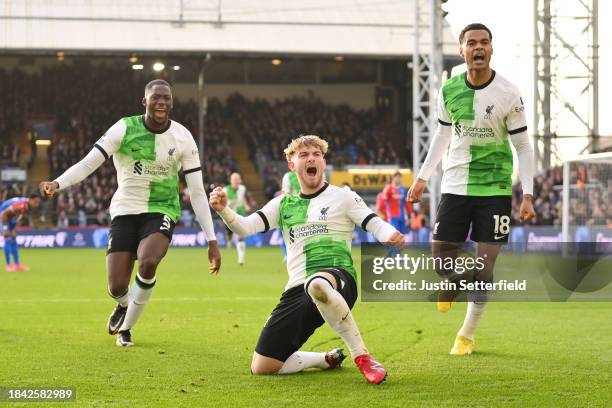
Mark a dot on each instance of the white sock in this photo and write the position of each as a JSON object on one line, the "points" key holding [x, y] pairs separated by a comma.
{"points": [[337, 314], [472, 318], [301, 360], [121, 299], [241, 247], [140, 293]]}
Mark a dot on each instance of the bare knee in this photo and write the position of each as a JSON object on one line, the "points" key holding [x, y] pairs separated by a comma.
{"points": [[262, 365], [117, 289], [147, 266], [258, 369]]}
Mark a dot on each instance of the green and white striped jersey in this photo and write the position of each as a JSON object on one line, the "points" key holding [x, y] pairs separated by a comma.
{"points": [[236, 199], [147, 165], [317, 229], [479, 160]]}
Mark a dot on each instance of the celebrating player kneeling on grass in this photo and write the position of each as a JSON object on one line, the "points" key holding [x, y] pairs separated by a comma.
{"points": [[148, 151], [317, 227], [479, 114]]}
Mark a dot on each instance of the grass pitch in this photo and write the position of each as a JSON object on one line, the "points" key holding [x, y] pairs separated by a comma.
{"points": [[195, 340]]}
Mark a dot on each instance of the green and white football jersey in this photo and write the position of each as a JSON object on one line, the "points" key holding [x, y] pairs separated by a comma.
{"points": [[147, 165], [290, 183], [479, 159], [236, 199], [317, 229]]}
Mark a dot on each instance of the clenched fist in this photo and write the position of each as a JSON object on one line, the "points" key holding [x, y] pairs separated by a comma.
{"points": [[218, 199], [48, 188]]}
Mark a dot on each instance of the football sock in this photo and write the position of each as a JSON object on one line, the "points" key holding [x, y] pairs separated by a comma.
{"points": [[121, 299], [301, 360], [472, 318], [15, 251], [140, 293], [7, 250], [241, 247], [337, 314]]}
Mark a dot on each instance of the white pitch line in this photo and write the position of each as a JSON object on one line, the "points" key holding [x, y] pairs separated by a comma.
{"points": [[178, 299]]}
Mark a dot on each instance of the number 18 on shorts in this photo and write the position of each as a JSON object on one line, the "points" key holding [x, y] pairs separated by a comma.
{"points": [[488, 217]]}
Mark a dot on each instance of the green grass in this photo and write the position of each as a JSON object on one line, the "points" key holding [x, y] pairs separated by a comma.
{"points": [[195, 340]]}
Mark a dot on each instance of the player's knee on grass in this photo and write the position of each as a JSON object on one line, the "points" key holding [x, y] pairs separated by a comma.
{"points": [[318, 287], [261, 365]]}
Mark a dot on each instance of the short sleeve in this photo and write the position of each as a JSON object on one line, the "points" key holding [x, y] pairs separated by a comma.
{"points": [[20, 207], [515, 121], [110, 142], [270, 213], [444, 117], [190, 156], [357, 209]]}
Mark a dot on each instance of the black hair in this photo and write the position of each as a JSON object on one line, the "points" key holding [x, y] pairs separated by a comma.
{"points": [[474, 26], [397, 173], [154, 82], [34, 195]]}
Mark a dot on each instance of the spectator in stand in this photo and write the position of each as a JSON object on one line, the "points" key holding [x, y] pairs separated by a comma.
{"points": [[589, 196]]}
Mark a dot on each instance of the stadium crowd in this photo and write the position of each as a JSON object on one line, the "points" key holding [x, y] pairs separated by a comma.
{"points": [[82, 110], [355, 137], [590, 194]]}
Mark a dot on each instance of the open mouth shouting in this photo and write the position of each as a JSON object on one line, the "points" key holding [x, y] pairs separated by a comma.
{"points": [[160, 114], [479, 57], [311, 171]]}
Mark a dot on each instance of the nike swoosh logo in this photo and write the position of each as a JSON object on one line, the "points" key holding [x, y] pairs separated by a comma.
{"points": [[346, 315], [286, 217], [135, 150], [499, 236]]}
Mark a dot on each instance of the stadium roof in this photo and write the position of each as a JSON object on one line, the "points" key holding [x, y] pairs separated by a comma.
{"points": [[341, 27]]}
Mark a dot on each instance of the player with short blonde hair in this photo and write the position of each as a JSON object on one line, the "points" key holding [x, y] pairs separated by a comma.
{"points": [[317, 225]]}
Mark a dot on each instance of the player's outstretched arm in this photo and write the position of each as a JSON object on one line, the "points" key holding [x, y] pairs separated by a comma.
{"points": [[105, 147], [74, 174], [243, 226], [385, 233], [199, 203], [363, 216]]}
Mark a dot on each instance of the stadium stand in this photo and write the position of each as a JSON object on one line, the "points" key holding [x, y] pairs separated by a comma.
{"points": [[83, 109], [590, 205]]}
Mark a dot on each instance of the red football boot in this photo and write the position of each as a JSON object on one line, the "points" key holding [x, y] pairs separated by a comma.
{"points": [[372, 370]]}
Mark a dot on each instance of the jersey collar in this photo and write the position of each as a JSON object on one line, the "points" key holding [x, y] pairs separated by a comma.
{"points": [[467, 83], [316, 193], [159, 132]]}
